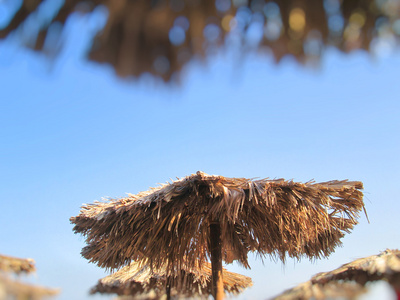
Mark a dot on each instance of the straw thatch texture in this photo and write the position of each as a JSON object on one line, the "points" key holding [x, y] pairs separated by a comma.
{"points": [[16, 265], [169, 225], [161, 36], [349, 280], [135, 279], [11, 289], [308, 290], [384, 266]]}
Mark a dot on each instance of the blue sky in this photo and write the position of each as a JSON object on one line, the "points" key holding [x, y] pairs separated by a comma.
{"points": [[72, 133]]}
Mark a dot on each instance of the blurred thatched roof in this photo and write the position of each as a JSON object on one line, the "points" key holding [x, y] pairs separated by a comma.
{"points": [[384, 266], [349, 280], [135, 279], [169, 225], [16, 265], [12, 289], [161, 36], [335, 290]]}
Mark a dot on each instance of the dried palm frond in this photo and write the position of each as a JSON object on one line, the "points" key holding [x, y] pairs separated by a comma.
{"points": [[135, 279], [18, 290], [159, 37], [170, 225], [384, 266], [16, 265], [308, 290]]}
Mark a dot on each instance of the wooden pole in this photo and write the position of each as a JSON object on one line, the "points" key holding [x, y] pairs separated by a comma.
{"points": [[216, 261], [168, 292], [168, 289]]}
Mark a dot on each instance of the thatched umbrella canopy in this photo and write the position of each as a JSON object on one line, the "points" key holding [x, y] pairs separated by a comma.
{"points": [[350, 279], [136, 279], [203, 217], [309, 290], [161, 36], [16, 265], [11, 289], [384, 266]]}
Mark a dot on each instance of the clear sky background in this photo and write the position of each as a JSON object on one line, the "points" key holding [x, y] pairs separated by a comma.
{"points": [[72, 133]]}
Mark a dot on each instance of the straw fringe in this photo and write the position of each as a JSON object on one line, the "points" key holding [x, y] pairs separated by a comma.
{"points": [[169, 225]]}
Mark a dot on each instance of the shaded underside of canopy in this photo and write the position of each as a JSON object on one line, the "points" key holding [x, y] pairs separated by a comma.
{"points": [[159, 37], [384, 266], [135, 279], [169, 225], [16, 265]]}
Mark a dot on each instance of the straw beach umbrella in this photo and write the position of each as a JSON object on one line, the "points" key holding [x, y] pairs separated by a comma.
{"points": [[350, 279], [159, 37], [201, 217], [333, 290], [384, 266], [16, 265], [13, 289], [136, 279]]}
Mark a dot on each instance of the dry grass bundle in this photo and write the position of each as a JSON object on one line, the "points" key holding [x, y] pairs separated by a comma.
{"points": [[136, 279], [161, 36], [308, 290], [16, 265], [384, 266], [170, 225]]}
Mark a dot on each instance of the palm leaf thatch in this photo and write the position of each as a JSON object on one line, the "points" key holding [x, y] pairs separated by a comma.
{"points": [[161, 36], [16, 265], [309, 290], [202, 216], [384, 266], [135, 279], [11, 289]]}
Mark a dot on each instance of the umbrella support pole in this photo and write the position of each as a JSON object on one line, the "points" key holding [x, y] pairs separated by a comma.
{"points": [[216, 261], [168, 290]]}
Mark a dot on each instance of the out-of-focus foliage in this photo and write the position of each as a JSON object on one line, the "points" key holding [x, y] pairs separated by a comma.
{"points": [[161, 36]]}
